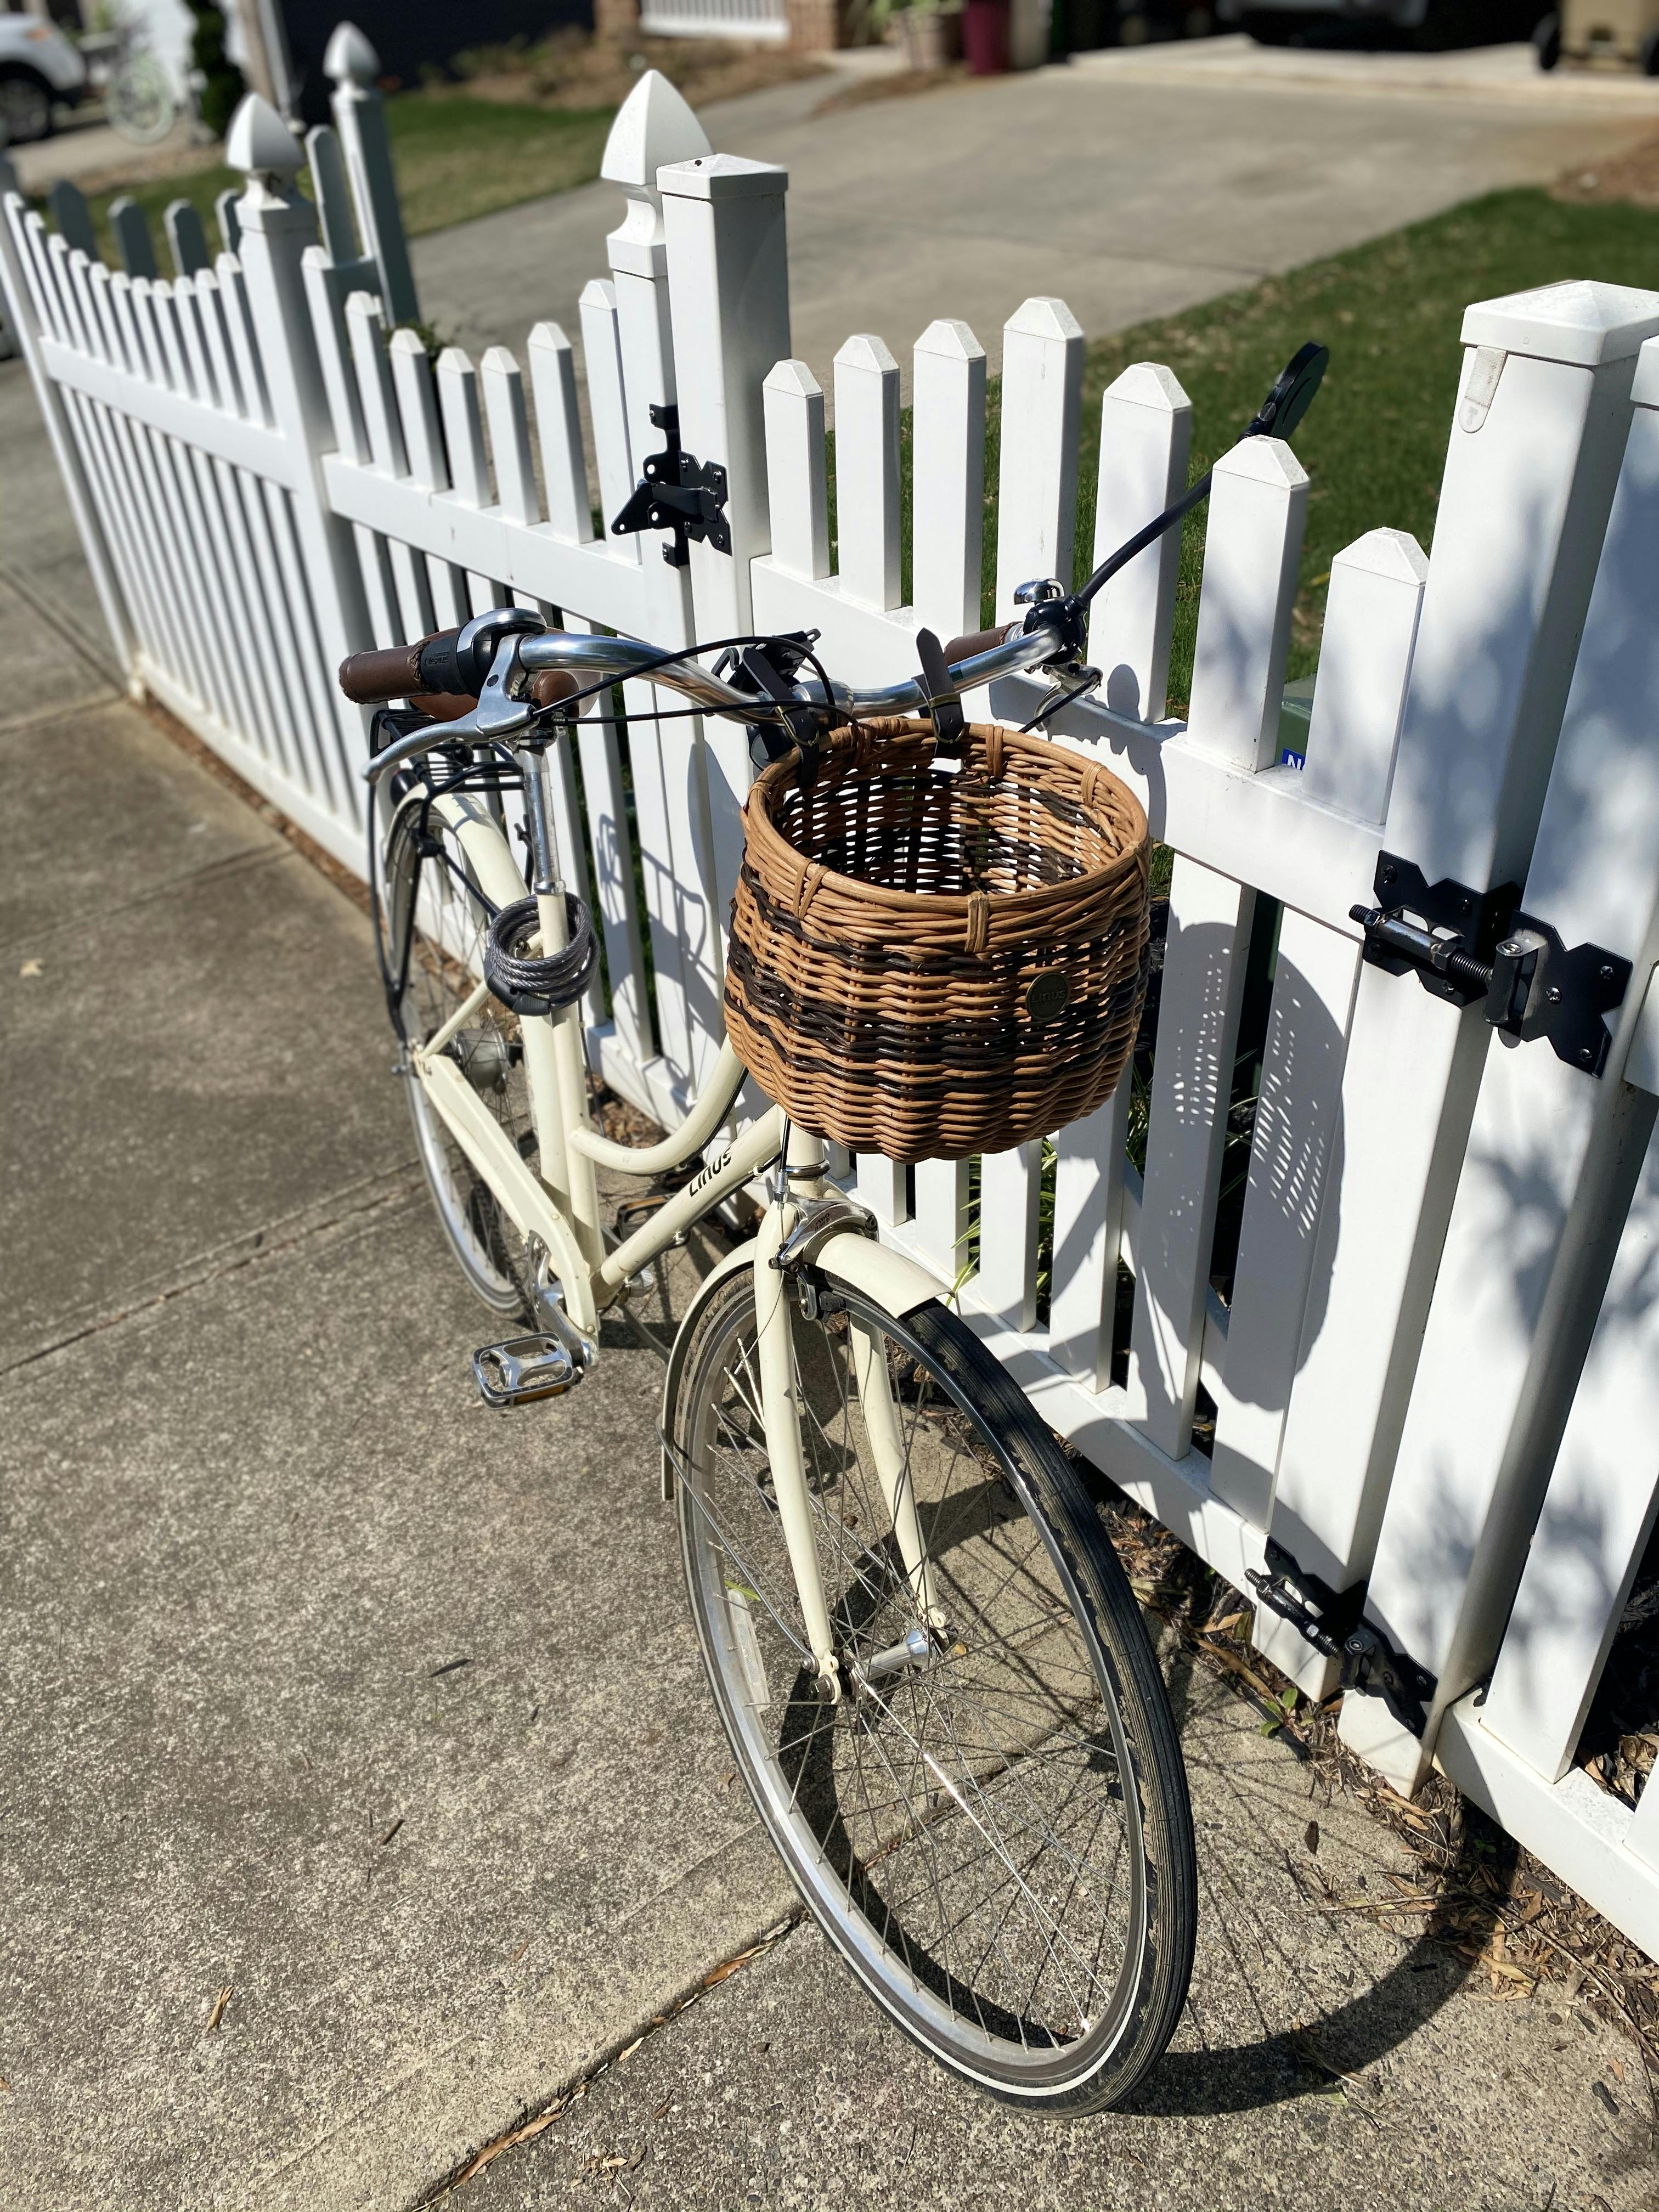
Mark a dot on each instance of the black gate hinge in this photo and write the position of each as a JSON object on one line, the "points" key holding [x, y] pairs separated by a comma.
{"points": [[1333, 1621], [1465, 945], [676, 492]]}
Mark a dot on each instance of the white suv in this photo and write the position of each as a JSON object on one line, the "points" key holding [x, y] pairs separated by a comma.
{"points": [[39, 67]]}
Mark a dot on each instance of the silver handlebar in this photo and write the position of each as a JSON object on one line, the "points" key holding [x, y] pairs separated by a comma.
{"points": [[500, 715]]}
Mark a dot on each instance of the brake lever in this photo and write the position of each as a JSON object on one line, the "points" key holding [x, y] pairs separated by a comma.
{"points": [[502, 713]]}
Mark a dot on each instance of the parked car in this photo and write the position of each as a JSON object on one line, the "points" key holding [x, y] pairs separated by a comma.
{"points": [[1389, 22], [39, 69]]}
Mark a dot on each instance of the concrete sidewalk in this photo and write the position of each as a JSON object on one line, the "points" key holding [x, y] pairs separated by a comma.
{"points": [[1125, 195], [379, 1717]]}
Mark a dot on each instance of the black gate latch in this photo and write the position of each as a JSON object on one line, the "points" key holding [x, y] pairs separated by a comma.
{"points": [[676, 492], [1333, 1622], [1468, 945]]}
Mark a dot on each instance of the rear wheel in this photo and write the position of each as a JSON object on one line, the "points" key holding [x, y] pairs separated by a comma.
{"points": [[25, 108], [992, 1824], [432, 923]]}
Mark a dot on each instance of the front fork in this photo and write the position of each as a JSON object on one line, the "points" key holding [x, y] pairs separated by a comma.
{"points": [[783, 1413]]}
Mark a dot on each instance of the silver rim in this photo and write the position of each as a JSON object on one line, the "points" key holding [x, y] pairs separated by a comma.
{"points": [[447, 958], [959, 1827]]}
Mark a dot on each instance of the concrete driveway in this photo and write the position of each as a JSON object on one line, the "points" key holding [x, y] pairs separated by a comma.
{"points": [[1128, 186]]}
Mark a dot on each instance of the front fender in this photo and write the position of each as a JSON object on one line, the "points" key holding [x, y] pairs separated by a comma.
{"points": [[886, 1277]]}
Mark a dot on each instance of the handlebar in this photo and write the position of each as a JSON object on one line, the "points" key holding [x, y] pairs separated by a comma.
{"points": [[452, 667]]}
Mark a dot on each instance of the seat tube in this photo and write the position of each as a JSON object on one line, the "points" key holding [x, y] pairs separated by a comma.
{"points": [[568, 1171]]}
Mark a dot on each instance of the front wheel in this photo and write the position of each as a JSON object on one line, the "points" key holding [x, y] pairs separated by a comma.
{"points": [[992, 1824]]}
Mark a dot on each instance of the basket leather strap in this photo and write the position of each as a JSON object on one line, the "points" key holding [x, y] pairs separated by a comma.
{"points": [[944, 703]]}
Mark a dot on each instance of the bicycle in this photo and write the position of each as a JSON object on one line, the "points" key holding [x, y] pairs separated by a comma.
{"points": [[936, 1681]]}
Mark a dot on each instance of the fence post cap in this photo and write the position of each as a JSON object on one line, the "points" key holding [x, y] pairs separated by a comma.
{"points": [[1263, 461], [793, 376], [1149, 383], [950, 341], [653, 128], [864, 350], [1581, 322], [722, 177], [1043, 317], [349, 58], [260, 144], [1394, 554]]}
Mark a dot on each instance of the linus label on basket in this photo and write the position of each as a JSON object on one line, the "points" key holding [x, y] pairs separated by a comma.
{"points": [[927, 965]]}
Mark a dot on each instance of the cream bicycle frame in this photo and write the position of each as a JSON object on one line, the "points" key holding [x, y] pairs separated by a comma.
{"points": [[559, 1206]]}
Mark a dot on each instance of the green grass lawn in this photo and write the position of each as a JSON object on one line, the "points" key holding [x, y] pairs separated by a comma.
{"points": [[1375, 443], [456, 157]]}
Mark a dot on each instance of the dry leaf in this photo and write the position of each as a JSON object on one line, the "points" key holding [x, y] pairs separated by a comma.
{"points": [[726, 1780], [493, 2150], [1310, 1836], [31, 968], [219, 2004], [631, 2049]]}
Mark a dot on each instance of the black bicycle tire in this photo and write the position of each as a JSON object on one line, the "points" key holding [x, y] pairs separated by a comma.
{"points": [[1051, 1487]]}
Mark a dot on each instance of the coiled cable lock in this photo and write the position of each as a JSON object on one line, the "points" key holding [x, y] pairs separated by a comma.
{"points": [[546, 985]]}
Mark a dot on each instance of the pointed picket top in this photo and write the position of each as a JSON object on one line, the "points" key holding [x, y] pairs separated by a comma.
{"points": [[349, 58], [654, 127], [950, 340], [1264, 461], [1043, 317], [261, 145], [1149, 383], [864, 350]]}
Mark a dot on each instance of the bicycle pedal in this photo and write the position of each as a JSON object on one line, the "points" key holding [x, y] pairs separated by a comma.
{"points": [[523, 1369]]}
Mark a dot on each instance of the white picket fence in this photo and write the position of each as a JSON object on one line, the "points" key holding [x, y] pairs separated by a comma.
{"points": [[1437, 1370]]}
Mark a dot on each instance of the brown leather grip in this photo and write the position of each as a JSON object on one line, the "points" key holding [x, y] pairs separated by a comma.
{"points": [[441, 706], [552, 685], [547, 690], [979, 641], [394, 673]]}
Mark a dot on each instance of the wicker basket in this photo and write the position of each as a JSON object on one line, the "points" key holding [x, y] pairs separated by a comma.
{"points": [[925, 965]]}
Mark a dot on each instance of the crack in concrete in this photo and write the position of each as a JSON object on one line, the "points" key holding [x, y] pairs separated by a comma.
{"points": [[385, 1190], [228, 864]]}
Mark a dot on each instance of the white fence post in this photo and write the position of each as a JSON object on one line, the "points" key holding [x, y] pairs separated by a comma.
{"points": [[276, 227], [1530, 475], [654, 129], [360, 118], [728, 273], [1553, 1151]]}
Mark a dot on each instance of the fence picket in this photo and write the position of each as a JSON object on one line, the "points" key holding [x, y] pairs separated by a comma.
{"points": [[1145, 436], [1036, 481], [502, 383], [469, 469], [1089, 1238], [1258, 509], [1009, 1190], [1204, 956], [867, 470], [559, 430], [186, 239], [416, 404], [937, 1234], [948, 475], [132, 239], [1598, 1514], [795, 468], [410, 609]]}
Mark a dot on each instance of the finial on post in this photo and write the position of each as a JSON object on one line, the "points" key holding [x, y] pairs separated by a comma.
{"points": [[653, 126], [261, 145], [349, 58]]}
